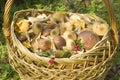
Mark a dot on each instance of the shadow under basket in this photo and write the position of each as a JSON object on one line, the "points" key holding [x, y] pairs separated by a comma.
{"points": [[91, 65]]}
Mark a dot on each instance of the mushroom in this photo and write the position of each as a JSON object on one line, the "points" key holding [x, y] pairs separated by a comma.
{"points": [[51, 25], [42, 16], [26, 44], [100, 28], [59, 42], [69, 44], [37, 30], [58, 17], [23, 26], [88, 38], [54, 32], [34, 45], [86, 18], [69, 35], [44, 44], [39, 18], [66, 27], [32, 19], [46, 32], [37, 27], [78, 24], [74, 17], [22, 38]]}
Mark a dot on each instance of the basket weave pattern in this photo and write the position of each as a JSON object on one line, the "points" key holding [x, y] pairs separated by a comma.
{"points": [[92, 65]]}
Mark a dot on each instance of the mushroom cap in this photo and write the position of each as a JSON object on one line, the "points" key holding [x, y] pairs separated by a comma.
{"points": [[54, 32], [69, 35], [51, 25], [100, 28], [74, 17], [88, 38], [66, 27], [22, 38], [59, 42], [23, 25], [69, 44], [44, 44], [78, 23], [46, 32], [42, 16], [27, 44], [57, 16], [36, 27]]}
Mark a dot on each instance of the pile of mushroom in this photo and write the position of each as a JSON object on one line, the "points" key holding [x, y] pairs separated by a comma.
{"points": [[59, 34]]}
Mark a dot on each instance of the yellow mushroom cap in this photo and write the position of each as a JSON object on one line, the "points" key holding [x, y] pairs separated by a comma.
{"points": [[23, 25], [100, 28]]}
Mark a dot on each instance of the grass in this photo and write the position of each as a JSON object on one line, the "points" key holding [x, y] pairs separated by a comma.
{"points": [[6, 71]]}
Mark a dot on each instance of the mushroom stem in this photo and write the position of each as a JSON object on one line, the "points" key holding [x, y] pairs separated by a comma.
{"points": [[36, 40], [27, 35], [53, 45], [39, 35]]}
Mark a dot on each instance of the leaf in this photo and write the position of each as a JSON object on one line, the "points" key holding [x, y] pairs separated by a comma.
{"points": [[79, 43], [45, 54], [50, 53], [66, 54]]}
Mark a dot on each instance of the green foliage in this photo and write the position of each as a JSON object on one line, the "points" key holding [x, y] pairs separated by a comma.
{"points": [[1, 12], [6, 71], [65, 54], [47, 54], [54, 6], [79, 43]]}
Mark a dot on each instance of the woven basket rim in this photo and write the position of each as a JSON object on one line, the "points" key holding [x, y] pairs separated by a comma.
{"points": [[19, 44]]}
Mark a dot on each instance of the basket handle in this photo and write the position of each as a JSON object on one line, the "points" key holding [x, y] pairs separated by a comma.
{"points": [[113, 21], [6, 18], [107, 4]]}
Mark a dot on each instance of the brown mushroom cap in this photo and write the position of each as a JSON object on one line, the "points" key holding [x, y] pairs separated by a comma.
{"points": [[22, 38], [44, 44], [46, 32], [59, 42], [88, 38]]}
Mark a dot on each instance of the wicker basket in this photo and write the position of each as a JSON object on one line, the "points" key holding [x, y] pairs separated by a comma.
{"points": [[91, 65]]}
